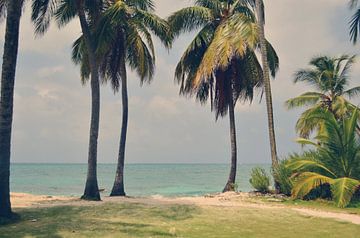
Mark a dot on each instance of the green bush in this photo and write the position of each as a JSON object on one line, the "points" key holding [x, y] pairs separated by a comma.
{"points": [[282, 175], [260, 180]]}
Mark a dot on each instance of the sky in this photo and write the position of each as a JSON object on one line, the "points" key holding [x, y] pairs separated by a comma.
{"points": [[52, 108]]}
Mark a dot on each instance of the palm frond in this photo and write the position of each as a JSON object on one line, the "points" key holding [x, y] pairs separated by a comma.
{"points": [[309, 163], [42, 13], [306, 182], [352, 92], [157, 25], [189, 19], [343, 189], [306, 99], [355, 26], [65, 12]]}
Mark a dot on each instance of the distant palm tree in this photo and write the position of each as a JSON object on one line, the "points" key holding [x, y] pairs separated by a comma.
{"points": [[12, 9], [89, 15], [335, 160], [267, 84], [220, 63], [330, 77], [124, 37]]}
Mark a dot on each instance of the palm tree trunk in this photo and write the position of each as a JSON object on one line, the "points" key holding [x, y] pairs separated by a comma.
{"points": [[230, 185], [118, 187], [268, 95], [91, 188], [14, 9]]}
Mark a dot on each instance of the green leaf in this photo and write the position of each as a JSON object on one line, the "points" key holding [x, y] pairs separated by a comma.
{"points": [[343, 190]]}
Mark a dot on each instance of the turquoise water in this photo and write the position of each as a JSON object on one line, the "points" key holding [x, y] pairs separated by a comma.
{"points": [[140, 179]]}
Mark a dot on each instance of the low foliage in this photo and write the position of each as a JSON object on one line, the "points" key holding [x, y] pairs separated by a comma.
{"points": [[260, 180], [334, 163], [282, 174]]}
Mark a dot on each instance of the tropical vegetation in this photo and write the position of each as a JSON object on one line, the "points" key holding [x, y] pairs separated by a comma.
{"points": [[218, 65], [228, 60], [335, 161], [260, 180], [124, 37], [330, 76]]}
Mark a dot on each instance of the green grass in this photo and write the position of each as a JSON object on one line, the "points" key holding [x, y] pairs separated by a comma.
{"points": [[319, 204], [138, 220]]}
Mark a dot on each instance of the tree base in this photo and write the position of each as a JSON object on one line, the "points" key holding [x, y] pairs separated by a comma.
{"points": [[12, 218], [117, 194], [229, 187], [90, 198]]}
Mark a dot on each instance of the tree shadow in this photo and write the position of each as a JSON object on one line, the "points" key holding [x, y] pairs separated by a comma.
{"points": [[96, 220]]}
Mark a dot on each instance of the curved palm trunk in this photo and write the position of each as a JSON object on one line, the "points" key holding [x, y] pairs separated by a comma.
{"points": [[91, 188], [268, 95], [14, 9], [230, 185], [118, 187]]}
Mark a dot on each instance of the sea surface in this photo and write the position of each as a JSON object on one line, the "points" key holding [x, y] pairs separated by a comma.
{"points": [[140, 179]]}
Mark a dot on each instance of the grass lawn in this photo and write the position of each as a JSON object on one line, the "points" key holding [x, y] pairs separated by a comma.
{"points": [[139, 220]]}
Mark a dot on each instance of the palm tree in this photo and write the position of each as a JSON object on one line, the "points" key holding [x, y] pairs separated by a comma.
{"points": [[124, 37], [267, 85], [330, 77], [13, 11], [220, 64], [335, 160], [89, 15]]}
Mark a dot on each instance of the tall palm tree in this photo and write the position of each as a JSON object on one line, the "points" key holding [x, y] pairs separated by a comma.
{"points": [[89, 15], [267, 84], [124, 38], [335, 160], [220, 64], [13, 11], [330, 77]]}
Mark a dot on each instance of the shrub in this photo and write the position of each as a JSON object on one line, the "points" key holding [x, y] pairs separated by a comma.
{"points": [[282, 174], [260, 180]]}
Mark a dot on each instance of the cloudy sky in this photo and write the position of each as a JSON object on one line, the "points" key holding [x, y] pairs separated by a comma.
{"points": [[52, 107]]}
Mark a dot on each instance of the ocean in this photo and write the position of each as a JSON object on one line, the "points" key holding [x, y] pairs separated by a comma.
{"points": [[140, 179]]}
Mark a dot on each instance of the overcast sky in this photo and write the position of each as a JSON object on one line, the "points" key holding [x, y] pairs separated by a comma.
{"points": [[52, 108]]}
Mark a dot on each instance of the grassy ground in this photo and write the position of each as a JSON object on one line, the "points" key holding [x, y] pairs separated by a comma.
{"points": [[138, 220], [319, 204]]}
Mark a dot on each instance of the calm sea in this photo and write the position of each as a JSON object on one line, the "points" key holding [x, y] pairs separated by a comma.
{"points": [[140, 179]]}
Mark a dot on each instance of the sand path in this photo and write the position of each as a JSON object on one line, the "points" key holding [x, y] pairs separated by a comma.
{"points": [[22, 200]]}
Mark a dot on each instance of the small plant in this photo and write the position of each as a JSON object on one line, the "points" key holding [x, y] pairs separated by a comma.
{"points": [[260, 180], [282, 174]]}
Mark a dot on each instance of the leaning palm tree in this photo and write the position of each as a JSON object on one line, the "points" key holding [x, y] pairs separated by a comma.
{"points": [[124, 38], [335, 160], [330, 77], [267, 84], [12, 9], [89, 15], [220, 64]]}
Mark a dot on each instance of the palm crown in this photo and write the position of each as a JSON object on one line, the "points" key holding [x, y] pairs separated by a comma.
{"points": [[217, 62], [330, 77]]}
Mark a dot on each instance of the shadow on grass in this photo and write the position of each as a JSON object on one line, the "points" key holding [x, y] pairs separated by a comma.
{"points": [[136, 220]]}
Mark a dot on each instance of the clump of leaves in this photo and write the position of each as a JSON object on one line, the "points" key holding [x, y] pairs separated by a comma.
{"points": [[282, 174], [260, 180]]}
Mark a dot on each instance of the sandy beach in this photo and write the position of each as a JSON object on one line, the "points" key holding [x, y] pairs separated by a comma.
{"points": [[231, 199]]}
